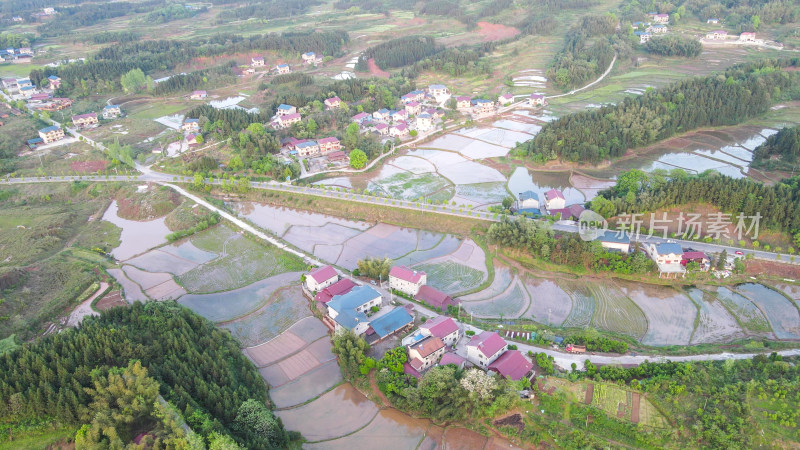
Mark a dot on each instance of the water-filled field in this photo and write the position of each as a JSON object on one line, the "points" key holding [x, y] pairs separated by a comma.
{"points": [[286, 307], [137, 237]]}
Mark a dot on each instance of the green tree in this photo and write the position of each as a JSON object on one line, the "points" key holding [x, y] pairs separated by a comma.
{"points": [[133, 81], [351, 135], [351, 350], [358, 159], [259, 425]]}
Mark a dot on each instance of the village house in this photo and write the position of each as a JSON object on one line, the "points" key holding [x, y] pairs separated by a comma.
{"points": [[554, 199], [398, 116], [257, 61], [435, 113], [482, 106], [191, 140], [39, 98], [381, 115], [717, 35], [434, 298], [399, 130], [55, 82], [397, 320], [643, 36], [483, 349], [9, 83], [338, 157], [320, 278], [528, 199], [463, 102], [17, 19], [349, 311], [697, 257], [425, 353], [657, 29], [505, 99], [712, 20], [57, 104], [249, 71], [536, 100], [111, 112], [307, 148], [341, 287], [382, 129], [23, 82], [329, 144], [512, 365], [615, 241], [659, 18], [285, 110], [424, 122], [452, 358], [191, 125], [413, 108], [48, 11], [283, 69], [439, 92], [311, 58], [668, 257], [51, 134], [286, 120], [413, 96], [747, 37], [28, 91], [333, 102], [405, 280], [442, 327], [199, 95], [85, 120], [360, 117]]}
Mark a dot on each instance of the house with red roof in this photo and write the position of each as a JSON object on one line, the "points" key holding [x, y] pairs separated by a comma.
{"points": [[413, 108], [425, 353], [463, 102], [286, 120], [409, 370], [442, 327], [341, 287], [333, 102], [320, 278], [405, 280], [554, 199], [505, 99], [85, 120], [382, 128], [698, 257], [434, 298], [452, 358], [360, 117], [338, 157], [483, 349], [328, 144], [536, 100], [399, 130], [512, 365], [198, 95]]}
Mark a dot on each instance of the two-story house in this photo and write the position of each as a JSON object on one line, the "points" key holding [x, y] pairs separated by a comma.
{"points": [[320, 278], [483, 349], [405, 280], [425, 353], [349, 311]]}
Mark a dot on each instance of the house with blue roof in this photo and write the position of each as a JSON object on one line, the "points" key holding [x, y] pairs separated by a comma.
{"points": [[668, 257], [528, 199], [529, 212], [615, 241], [643, 36], [51, 134], [284, 109], [382, 114], [349, 311], [396, 320]]}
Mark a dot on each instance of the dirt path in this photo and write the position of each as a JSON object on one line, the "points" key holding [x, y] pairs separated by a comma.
{"points": [[589, 394], [85, 308], [575, 91], [636, 400], [373, 383]]}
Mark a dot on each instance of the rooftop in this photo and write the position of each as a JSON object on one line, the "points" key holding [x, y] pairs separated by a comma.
{"points": [[50, 129], [285, 106], [290, 116], [357, 296], [667, 248], [553, 194], [614, 236], [512, 364], [428, 346], [434, 297], [391, 321], [324, 273], [487, 342], [451, 358], [406, 274], [440, 326], [527, 195], [341, 287], [327, 140]]}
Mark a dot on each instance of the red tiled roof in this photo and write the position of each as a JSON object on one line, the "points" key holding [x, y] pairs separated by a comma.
{"points": [[694, 255], [333, 100], [576, 210], [441, 326], [487, 342], [327, 140], [404, 273], [512, 364], [84, 116], [434, 297], [451, 358], [565, 213], [428, 346], [381, 126], [341, 287], [323, 274], [537, 96], [463, 98], [336, 156], [286, 117], [553, 193], [416, 363], [409, 370]]}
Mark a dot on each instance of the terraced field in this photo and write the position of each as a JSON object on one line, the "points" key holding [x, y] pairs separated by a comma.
{"points": [[748, 314], [502, 280], [615, 312], [583, 305], [549, 303], [510, 304], [715, 323], [285, 308], [781, 313], [671, 314], [451, 277]]}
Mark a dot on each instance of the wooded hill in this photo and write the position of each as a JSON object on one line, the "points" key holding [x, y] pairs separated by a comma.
{"points": [[785, 145], [199, 369], [741, 92]]}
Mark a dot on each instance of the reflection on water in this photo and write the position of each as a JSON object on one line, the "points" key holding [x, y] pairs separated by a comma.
{"points": [[137, 237], [522, 180]]}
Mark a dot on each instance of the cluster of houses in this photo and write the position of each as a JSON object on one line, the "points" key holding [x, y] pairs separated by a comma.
{"points": [[43, 14], [646, 30], [258, 62], [22, 54], [358, 308], [722, 35], [555, 204], [670, 258]]}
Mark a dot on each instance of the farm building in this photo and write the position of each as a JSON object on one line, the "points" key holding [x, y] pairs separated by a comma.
{"points": [[452, 358], [712, 20], [329, 144], [425, 353], [413, 96], [657, 29], [434, 298], [405, 280], [512, 365], [396, 320], [482, 106], [51, 134], [528, 199], [399, 130], [554, 199], [286, 120], [483, 349], [320, 278], [348, 311], [668, 257]]}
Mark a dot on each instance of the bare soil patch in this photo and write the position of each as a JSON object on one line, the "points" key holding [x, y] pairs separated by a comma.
{"points": [[112, 299], [496, 32], [589, 394], [635, 407], [88, 166], [514, 420], [776, 269], [375, 70]]}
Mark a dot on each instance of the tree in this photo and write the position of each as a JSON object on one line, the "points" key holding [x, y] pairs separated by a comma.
{"points": [[358, 159], [722, 260], [133, 81], [351, 350], [375, 267], [351, 135], [259, 425], [508, 202], [479, 384]]}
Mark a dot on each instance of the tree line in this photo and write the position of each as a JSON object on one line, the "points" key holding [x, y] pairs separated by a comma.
{"points": [[582, 60], [103, 70], [17, 40], [741, 92], [785, 145], [674, 45], [267, 10], [104, 37], [70, 18], [199, 369], [399, 52], [172, 11]]}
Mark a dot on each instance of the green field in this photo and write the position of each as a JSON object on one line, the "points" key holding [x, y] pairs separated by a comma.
{"points": [[451, 278]]}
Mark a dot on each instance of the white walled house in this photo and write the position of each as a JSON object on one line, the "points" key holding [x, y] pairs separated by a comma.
{"points": [[425, 353], [405, 280], [554, 199], [349, 311], [483, 349], [444, 328], [320, 278]]}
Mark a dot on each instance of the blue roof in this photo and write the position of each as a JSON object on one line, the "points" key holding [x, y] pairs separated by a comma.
{"points": [[49, 129], [27, 88], [658, 26], [391, 321], [665, 249], [358, 296], [558, 339], [533, 211], [306, 144], [417, 92], [640, 33], [35, 141], [613, 236], [284, 106], [480, 100], [111, 107], [23, 80], [527, 195], [424, 116], [53, 77], [438, 86], [350, 318], [383, 111], [283, 65], [191, 120]]}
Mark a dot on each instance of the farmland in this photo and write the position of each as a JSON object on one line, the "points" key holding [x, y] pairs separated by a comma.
{"points": [[451, 276]]}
